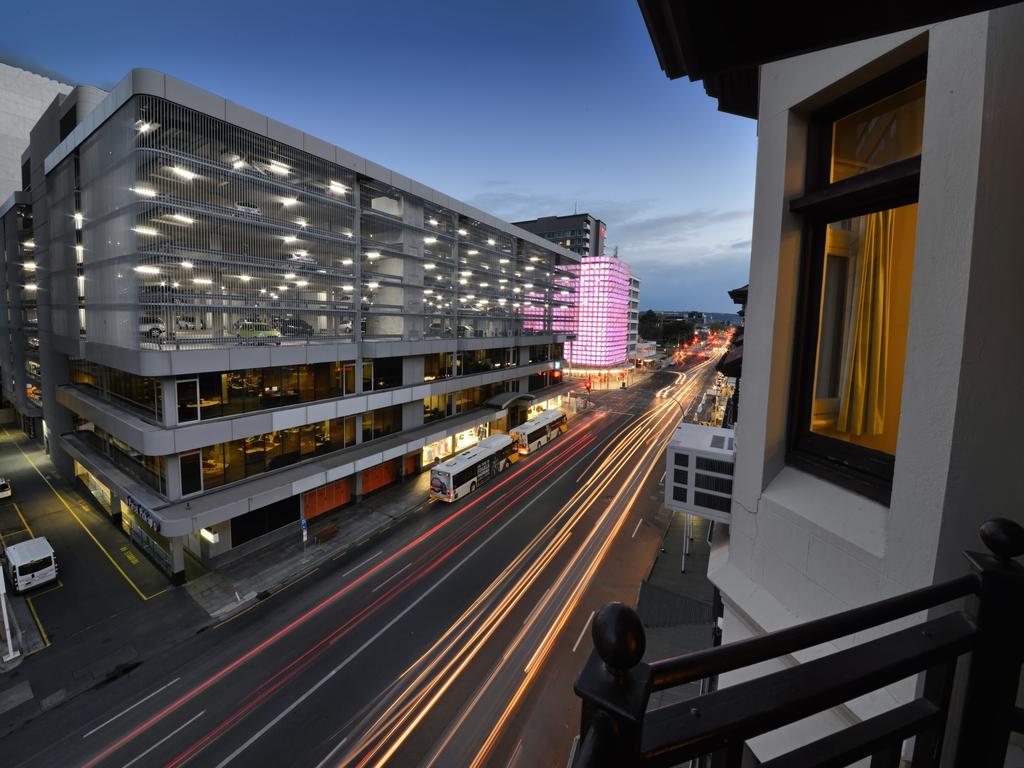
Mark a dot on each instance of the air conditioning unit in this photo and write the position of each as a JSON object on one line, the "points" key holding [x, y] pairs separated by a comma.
{"points": [[699, 464]]}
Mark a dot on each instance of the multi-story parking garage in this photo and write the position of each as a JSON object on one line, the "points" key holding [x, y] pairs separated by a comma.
{"points": [[245, 324]]}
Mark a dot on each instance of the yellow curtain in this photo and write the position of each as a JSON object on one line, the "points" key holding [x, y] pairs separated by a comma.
{"points": [[862, 401]]}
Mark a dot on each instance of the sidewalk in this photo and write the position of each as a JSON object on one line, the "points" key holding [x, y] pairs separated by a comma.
{"points": [[235, 585], [677, 607]]}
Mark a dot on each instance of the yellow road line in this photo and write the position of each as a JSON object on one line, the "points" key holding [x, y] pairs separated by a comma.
{"points": [[278, 591], [85, 528], [39, 624], [60, 584], [23, 520]]}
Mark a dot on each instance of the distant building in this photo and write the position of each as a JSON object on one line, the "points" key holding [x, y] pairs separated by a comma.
{"points": [[23, 97], [581, 233], [633, 322]]}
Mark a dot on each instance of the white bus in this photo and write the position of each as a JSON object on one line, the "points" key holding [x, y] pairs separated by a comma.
{"points": [[30, 563], [463, 473], [539, 430]]}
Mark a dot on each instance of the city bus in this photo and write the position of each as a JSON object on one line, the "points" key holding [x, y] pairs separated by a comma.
{"points": [[463, 473], [539, 430]]}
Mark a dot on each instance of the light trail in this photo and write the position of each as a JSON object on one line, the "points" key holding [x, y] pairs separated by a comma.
{"points": [[268, 641], [307, 658], [439, 672]]}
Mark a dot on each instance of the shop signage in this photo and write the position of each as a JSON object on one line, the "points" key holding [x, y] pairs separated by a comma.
{"points": [[143, 513]]}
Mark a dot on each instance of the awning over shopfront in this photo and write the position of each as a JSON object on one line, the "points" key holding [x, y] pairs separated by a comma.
{"points": [[505, 399]]}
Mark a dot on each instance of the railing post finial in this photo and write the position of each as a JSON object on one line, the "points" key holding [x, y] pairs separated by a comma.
{"points": [[619, 637], [1004, 538]]}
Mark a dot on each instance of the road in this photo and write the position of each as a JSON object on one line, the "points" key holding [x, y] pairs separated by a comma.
{"points": [[432, 651]]}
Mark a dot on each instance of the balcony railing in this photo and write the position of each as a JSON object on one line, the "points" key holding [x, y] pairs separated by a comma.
{"points": [[983, 634]]}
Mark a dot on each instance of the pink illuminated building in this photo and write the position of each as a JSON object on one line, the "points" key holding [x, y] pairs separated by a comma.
{"points": [[601, 316]]}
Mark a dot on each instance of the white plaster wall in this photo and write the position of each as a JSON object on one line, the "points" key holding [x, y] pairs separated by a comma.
{"points": [[800, 547], [23, 98]]}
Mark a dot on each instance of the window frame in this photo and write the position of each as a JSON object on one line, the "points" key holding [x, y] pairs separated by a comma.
{"points": [[862, 470]]}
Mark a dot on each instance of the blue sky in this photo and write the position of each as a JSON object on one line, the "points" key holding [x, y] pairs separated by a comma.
{"points": [[521, 107]]}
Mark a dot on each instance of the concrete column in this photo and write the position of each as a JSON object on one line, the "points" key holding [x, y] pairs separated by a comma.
{"points": [[177, 560]]}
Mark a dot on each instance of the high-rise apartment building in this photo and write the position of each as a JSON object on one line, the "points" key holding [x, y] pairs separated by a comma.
{"points": [[602, 314], [241, 325], [581, 233]]}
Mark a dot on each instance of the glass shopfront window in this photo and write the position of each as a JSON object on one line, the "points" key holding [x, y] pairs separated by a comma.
{"points": [[538, 408], [437, 451]]}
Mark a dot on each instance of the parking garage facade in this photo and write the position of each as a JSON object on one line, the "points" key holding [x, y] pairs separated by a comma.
{"points": [[242, 319]]}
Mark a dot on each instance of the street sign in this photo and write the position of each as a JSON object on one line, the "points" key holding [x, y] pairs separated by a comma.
{"points": [[303, 523], [305, 533]]}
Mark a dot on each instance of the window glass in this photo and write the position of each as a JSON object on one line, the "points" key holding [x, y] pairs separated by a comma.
{"points": [[865, 305], [188, 401], [882, 133], [191, 477], [210, 395], [213, 466]]}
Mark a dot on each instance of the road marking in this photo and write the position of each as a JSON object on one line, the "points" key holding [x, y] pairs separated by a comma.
{"points": [[165, 738], [583, 631], [85, 528], [291, 707], [39, 624], [638, 524], [23, 520], [258, 603], [515, 755], [392, 577], [332, 753], [129, 555], [357, 567], [59, 584], [133, 706]]}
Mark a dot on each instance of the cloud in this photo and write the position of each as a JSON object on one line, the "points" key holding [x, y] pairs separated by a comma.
{"points": [[686, 260]]}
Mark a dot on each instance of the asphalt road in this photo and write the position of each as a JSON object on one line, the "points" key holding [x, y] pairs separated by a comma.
{"points": [[430, 651]]}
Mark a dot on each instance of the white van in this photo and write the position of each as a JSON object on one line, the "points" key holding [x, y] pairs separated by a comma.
{"points": [[30, 564]]}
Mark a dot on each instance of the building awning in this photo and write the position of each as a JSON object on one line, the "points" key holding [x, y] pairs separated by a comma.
{"points": [[712, 42], [505, 399], [739, 295]]}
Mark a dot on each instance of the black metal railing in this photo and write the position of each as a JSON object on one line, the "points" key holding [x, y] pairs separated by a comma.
{"points": [[984, 634]]}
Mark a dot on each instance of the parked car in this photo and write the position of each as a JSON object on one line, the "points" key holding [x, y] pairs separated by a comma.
{"points": [[257, 331], [294, 326], [251, 210], [5, 488], [190, 323], [152, 326], [465, 331], [302, 258], [30, 563]]}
